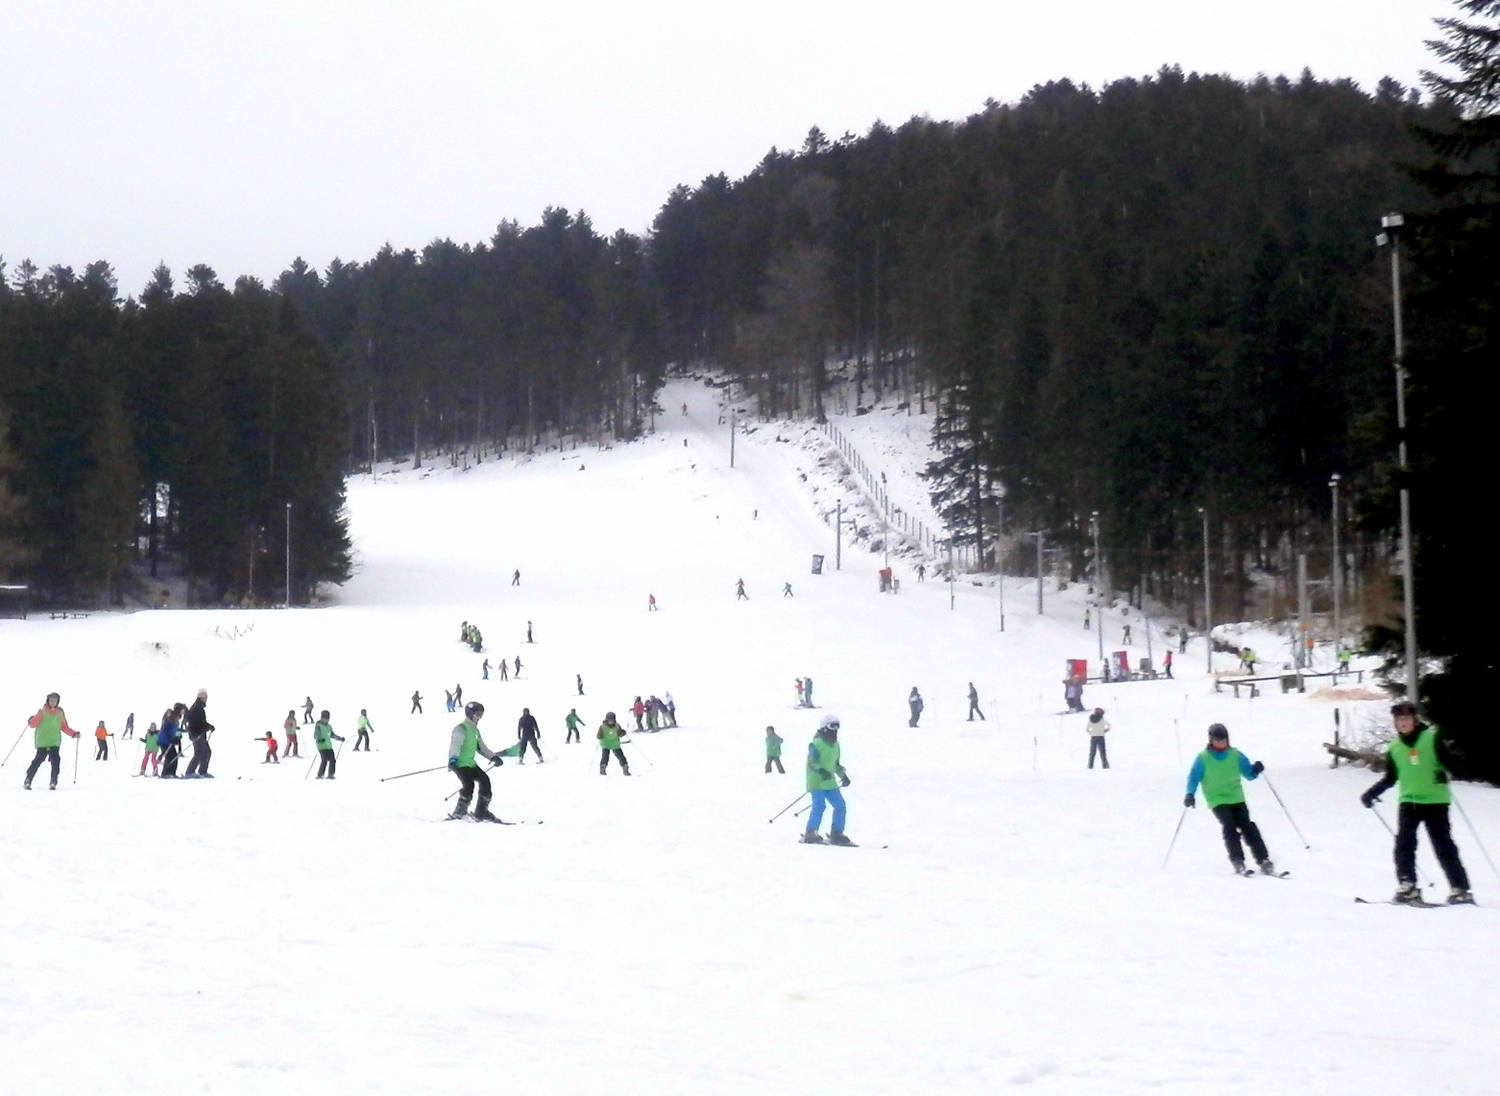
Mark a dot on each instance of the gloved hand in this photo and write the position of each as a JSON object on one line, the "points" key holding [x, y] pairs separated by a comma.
{"points": [[1189, 801], [453, 763], [843, 780], [1258, 768], [498, 760], [1368, 800]]}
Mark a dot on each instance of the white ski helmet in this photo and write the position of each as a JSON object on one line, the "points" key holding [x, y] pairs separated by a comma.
{"points": [[829, 722]]}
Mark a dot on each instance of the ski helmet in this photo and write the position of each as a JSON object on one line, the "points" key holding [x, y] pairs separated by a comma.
{"points": [[1218, 732], [829, 724], [53, 699], [473, 710], [1403, 707], [609, 717]]}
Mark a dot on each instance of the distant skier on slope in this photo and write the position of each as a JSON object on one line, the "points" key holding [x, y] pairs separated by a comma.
{"points": [[362, 731], [574, 722], [290, 727], [773, 749], [529, 734], [915, 703], [974, 704], [1219, 768]]}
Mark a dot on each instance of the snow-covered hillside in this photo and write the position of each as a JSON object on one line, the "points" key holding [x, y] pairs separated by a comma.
{"points": [[1007, 920]]}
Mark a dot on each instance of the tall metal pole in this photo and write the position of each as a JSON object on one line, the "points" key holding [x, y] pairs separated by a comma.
{"points": [[1039, 535], [731, 437], [1392, 223], [838, 537], [1000, 557], [1098, 587], [1338, 571], [288, 555], [1208, 603]]}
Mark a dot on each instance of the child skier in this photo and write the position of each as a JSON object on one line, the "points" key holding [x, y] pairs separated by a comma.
{"points": [[1219, 769], [1418, 761], [324, 738], [152, 742], [463, 745], [290, 727], [574, 721], [364, 729], [609, 743], [825, 776], [773, 750], [271, 746]]}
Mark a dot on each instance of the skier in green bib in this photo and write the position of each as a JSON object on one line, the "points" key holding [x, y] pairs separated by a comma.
{"points": [[1418, 760], [50, 723], [1219, 769], [323, 739], [574, 722], [773, 750], [825, 776], [463, 747]]}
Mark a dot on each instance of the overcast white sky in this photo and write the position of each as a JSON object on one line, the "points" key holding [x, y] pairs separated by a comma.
{"points": [[243, 135]]}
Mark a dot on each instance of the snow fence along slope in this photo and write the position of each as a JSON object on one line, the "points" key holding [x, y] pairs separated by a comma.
{"points": [[264, 932]]}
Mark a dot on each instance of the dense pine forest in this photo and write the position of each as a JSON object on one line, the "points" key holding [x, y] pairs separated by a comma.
{"points": [[1157, 305]]}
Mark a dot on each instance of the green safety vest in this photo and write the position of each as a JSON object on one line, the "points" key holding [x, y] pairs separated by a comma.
{"points": [[822, 754], [1221, 778], [1418, 769]]}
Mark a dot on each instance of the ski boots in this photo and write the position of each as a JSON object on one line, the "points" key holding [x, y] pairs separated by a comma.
{"points": [[812, 837], [1265, 867], [1407, 894], [1460, 897], [837, 838], [1238, 866]]}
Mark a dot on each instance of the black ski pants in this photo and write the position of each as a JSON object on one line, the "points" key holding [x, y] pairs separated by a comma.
{"points": [[363, 736], [974, 710], [326, 764], [101, 753], [1409, 816], [1096, 746], [573, 736], [604, 760], [169, 759], [201, 753], [774, 761], [529, 740], [50, 753], [470, 776], [1235, 819]]}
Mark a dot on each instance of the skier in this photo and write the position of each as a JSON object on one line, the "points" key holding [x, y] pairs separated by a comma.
{"points": [[363, 729], [271, 746], [574, 721], [1088, 618], [650, 603], [739, 591], [290, 727], [153, 751], [529, 734], [504, 667], [807, 699], [50, 724], [1073, 692], [528, 633], [517, 674], [638, 709], [1182, 641], [669, 709], [463, 745], [170, 737], [773, 749], [1098, 727], [1125, 636], [825, 776], [580, 683], [1167, 663], [324, 738], [1419, 760], [914, 702], [653, 713], [515, 580], [786, 590], [799, 693], [448, 699], [416, 703], [1247, 660], [307, 710], [974, 704], [1219, 769], [609, 743], [101, 738], [458, 697], [1344, 656], [485, 669], [129, 727], [198, 728]]}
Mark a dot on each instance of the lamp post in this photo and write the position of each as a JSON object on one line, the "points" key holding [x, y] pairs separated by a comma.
{"points": [[1000, 554], [1338, 570], [885, 510], [1392, 223], [288, 555], [1039, 536], [731, 436], [1208, 603], [838, 536], [1098, 586]]}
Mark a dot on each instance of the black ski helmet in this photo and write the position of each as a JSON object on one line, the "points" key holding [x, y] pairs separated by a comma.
{"points": [[473, 710], [1403, 707], [1218, 732]]}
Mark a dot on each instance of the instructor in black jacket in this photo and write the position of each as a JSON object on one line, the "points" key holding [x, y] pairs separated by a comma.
{"points": [[198, 728]]}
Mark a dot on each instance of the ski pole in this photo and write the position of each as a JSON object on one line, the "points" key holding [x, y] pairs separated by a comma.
{"points": [[1425, 881], [788, 807], [631, 742], [1286, 812], [76, 739], [1173, 843], [13, 746], [416, 772], [1475, 832]]}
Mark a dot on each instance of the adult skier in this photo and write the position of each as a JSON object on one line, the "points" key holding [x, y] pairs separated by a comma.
{"points": [[529, 733], [416, 703], [363, 730], [1418, 761], [129, 727], [323, 739], [825, 776], [170, 738], [574, 721], [580, 683], [198, 728], [914, 702], [101, 738], [669, 709], [1098, 727], [608, 735], [1219, 768], [50, 724], [464, 744], [739, 591], [290, 727], [773, 750], [974, 704], [307, 710]]}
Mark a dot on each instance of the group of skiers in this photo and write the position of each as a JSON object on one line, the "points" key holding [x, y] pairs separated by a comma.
{"points": [[469, 634], [656, 712]]}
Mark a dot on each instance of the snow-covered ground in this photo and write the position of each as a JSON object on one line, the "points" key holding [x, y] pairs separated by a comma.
{"points": [[1007, 921]]}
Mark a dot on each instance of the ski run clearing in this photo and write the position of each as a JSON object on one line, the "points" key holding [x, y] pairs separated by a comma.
{"points": [[267, 933]]}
